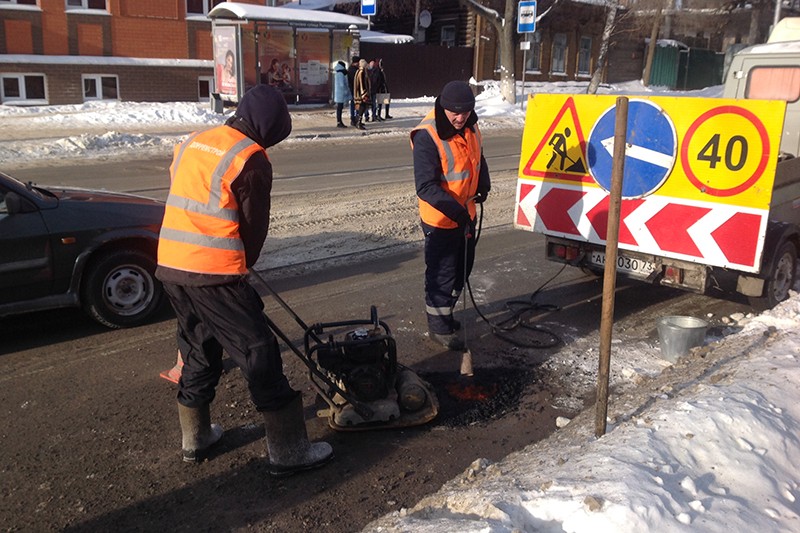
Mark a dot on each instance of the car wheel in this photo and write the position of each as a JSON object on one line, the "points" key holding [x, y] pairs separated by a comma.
{"points": [[120, 289], [781, 279]]}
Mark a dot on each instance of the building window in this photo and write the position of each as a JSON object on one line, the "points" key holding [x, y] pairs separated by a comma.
{"points": [[585, 56], [204, 85], [559, 65], [448, 36], [87, 4], [533, 62], [100, 87], [23, 89], [201, 7]]}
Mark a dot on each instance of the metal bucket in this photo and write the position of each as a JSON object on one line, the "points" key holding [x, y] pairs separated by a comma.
{"points": [[679, 334]]}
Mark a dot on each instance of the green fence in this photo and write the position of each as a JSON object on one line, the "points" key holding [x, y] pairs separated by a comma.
{"points": [[686, 69]]}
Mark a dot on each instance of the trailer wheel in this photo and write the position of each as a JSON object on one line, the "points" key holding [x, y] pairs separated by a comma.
{"points": [[781, 278]]}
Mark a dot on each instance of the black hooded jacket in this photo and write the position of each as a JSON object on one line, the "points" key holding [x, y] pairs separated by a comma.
{"points": [[264, 117]]}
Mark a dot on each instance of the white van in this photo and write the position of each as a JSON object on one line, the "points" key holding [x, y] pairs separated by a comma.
{"points": [[770, 72]]}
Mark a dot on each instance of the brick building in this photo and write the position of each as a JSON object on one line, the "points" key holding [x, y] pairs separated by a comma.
{"points": [[73, 51]]}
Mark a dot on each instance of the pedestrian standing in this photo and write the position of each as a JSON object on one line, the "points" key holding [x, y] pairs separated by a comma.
{"points": [[383, 89], [361, 92], [451, 175], [374, 73], [341, 91], [351, 75], [215, 224]]}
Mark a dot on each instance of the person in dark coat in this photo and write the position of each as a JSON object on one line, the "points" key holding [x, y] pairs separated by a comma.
{"points": [[451, 176], [214, 227], [383, 88], [375, 83]]}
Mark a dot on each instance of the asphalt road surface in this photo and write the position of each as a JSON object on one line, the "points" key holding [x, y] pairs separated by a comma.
{"points": [[90, 435]]}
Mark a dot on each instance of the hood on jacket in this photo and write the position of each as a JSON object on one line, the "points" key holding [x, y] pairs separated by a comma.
{"points": [[340, 67], [263, 115]]}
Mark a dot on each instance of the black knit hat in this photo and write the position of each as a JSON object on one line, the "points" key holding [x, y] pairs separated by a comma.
{"points": [[457, 97]]}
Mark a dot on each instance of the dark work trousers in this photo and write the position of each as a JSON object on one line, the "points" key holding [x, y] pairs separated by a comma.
{"points": [[444, 273], [227, 317]]}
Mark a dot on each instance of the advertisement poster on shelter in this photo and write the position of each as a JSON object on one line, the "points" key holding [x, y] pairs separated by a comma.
{"points": [[225, 60], [277, 65]]}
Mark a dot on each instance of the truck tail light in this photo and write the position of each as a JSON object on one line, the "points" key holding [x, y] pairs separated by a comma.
{"points": [[674, 274], [571, 253], [565, 252], [559, 250]]}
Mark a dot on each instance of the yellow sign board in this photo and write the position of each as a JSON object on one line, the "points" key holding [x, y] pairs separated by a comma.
{"points": [[698, 149]]}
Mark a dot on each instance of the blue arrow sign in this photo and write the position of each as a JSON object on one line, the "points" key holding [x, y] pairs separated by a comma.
{"points": [[368, 7], [649, 155], [526, 21]]}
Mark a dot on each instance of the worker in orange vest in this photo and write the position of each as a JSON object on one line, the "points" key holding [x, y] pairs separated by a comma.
{"points": [[215, 224], [451, 175]]}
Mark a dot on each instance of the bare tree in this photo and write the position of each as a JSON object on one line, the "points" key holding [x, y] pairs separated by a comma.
{"points": [[612, 6], [505, 27]]}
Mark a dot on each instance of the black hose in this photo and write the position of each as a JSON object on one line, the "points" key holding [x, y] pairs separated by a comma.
{"points": [[518, 309]]}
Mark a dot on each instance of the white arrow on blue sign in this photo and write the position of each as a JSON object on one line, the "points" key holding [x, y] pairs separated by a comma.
{"points": [[526, 21], [368, 7], [649, 155]]}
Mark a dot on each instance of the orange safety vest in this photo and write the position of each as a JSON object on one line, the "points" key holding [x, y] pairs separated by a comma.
{"points": [[200, 232], [461, 164]]}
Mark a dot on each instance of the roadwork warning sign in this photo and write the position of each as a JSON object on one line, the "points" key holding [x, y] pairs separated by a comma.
{"points": [[697, 181]]}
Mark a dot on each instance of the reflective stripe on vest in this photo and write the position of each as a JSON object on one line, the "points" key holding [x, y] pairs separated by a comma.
{"points": [[461, 160], [200, 232]]}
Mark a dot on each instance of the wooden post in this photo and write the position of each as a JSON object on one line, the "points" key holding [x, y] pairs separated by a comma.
{"points": [[610, 272]]}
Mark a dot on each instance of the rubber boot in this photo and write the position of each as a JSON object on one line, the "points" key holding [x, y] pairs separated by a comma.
{"points": [[199, 434], [287, 441], [387, 112]]}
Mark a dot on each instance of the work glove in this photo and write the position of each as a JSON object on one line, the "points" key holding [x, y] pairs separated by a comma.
{"points": [[463, 219]]}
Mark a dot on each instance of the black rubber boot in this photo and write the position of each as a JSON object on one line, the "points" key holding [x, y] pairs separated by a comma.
{"points": [[451, 341], [387, 112], [287, 441], [199, 434]]}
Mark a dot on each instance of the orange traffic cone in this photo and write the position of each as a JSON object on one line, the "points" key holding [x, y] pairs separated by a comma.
{"points": [[174, 373]]}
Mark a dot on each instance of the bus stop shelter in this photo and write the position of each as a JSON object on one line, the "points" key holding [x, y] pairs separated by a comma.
{"points": [[290, 49]]}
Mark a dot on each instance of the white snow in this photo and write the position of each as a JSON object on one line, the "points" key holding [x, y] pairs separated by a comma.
{"points": [[714, 451]]}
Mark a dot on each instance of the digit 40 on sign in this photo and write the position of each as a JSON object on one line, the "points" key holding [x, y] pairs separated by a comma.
{"points": [[725, 151]]}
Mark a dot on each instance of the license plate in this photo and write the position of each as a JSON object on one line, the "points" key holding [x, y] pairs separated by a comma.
{"points": [[631, 265]]}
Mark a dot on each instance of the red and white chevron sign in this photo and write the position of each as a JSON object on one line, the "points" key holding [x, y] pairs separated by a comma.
{"points": [[702, 232]]}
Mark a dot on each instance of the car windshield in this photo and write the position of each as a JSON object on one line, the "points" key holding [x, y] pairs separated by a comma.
{"points": [[30, 186]]}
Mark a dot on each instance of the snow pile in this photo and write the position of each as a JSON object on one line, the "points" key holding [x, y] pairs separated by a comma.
{"points": [[714, 452], [35, 135]]}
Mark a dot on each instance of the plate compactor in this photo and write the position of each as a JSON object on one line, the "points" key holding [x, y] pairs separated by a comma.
{"points": [[353, 367]]}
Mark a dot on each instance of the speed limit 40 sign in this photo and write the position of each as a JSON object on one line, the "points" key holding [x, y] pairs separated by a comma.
{"points": [[725, 151]]}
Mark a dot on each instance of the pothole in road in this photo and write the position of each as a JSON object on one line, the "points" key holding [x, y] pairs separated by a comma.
{"points": [[488, 395]]}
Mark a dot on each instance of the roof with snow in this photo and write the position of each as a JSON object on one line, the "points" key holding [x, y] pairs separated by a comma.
{"points": [[289, 17]]}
